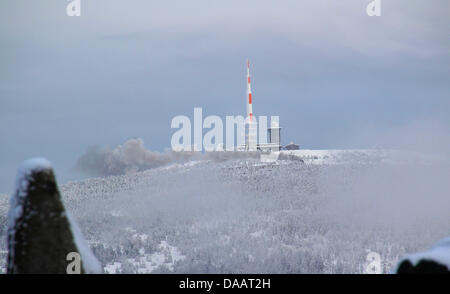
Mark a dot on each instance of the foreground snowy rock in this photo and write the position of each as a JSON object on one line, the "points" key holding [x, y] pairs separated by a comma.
{"points": [[40, 233], [434, 261]]}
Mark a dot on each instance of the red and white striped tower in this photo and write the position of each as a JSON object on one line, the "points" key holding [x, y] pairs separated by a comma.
{"points": [[251, 126], [249, 94]]}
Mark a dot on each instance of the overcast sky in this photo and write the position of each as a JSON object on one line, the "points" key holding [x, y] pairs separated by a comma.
{"points": [[336, 77]]}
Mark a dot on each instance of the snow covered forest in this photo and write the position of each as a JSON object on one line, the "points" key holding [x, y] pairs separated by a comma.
{"points": [[319, 215]]}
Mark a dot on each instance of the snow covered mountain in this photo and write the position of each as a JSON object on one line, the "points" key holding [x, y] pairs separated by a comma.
{"points": [[321, 214]]}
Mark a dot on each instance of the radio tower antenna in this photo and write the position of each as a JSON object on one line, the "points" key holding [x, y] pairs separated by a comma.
{"points": [[250, 144], [249, 94]]}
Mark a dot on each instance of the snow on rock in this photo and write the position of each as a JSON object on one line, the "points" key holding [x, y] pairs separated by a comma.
{"points": [[435, 260], [90, 263], [21, 186], [40, 233]]}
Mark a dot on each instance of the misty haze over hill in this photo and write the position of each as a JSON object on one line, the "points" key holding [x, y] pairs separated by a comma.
{"points": [[245, 216]]}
